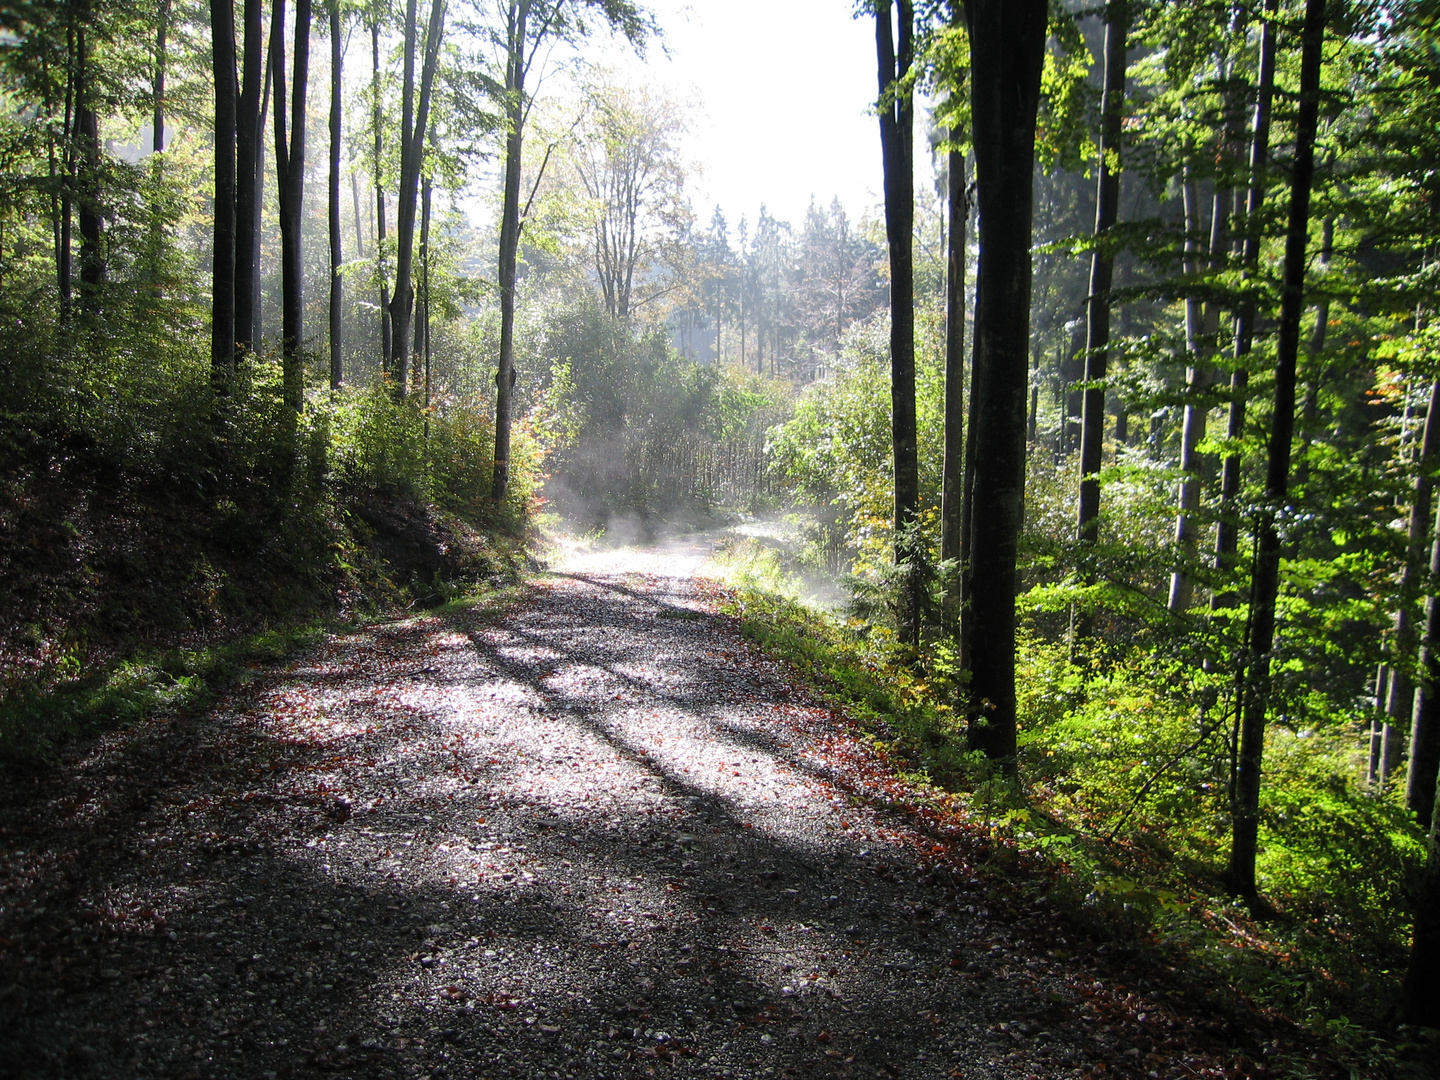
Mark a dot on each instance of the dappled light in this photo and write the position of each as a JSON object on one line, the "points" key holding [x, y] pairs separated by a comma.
{"points": [[594, 835]]}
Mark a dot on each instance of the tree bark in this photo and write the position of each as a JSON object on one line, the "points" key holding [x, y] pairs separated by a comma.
{"points": [[222, 292], [290, 179], [1265, 586], [422, 329], [1227, 532], [1102, 266], [1198, 379], [249, 145], [515, 68], [157, 118], [1398, 701], [1007, 49], [895, 54], [953, 468], [337, 254], [413, 122], [377, 122], [1424, 771], [87, 140], [359, 222], [1420, 994], [64, 264]]}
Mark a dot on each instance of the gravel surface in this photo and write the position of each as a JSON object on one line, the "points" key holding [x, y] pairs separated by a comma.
{"points": [[594, 836]]}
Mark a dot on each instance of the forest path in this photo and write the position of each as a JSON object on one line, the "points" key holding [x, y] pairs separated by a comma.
{"points": [[593, 835]]}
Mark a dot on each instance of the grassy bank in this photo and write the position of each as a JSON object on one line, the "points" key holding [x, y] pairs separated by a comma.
{"points": [[1092, 819]]}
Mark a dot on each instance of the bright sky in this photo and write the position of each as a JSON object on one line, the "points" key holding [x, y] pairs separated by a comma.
{"points": [[782, 90]]}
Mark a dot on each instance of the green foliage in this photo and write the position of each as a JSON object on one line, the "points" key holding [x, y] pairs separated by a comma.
{"points": [[641, 430], [35, 721], [836, 451]]}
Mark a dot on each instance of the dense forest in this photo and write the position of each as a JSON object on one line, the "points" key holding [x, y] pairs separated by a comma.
{"points": [[1123, 432]]}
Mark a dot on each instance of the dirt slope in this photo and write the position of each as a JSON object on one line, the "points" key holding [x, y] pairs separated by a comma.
{"points": [[597, 836]]}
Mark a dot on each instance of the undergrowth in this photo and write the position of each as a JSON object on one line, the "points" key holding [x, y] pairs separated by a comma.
{"points": [[1121, 795]]}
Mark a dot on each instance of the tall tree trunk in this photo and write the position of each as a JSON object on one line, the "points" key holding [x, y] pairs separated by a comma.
{"points": [[257, 295], [1397, 702], [1310, 409], [515, 67], [290, 179], [249, 176], [1007, 51], [953, 468], [1265, 586], [222, 292], [1399, 699], [337, 254], [157, 119], [87, 139], [64, 263], [1102, 266], [1420, 782], [1420, 994], [1198, 379], [414, 119], [377, 122], [359, 222], [897, 121], [425, 291], [1227, 531]]}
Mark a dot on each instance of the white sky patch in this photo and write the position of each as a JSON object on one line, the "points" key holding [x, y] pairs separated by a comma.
{"points": [[782, 92]]}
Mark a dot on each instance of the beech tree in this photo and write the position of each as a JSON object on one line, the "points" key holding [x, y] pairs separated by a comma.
{"points": [[337, 284], [1102, 268], [629, 168], [1227, 531], [250, 175], [222, 306], [415, 116], [895, 52], [522, 30], [1265, 583], [290, 180], [1007, 53]]}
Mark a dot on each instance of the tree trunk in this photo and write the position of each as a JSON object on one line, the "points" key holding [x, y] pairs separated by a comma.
{"points": [[65, 238], [257, 296], [1007, 50], [1227, 532], [157, 119], [1198, 379], [249, 176], [515, 66], [1102, 265], [1420, 994], [290, 179], [337, 255], [222, 293], [1398, 700], [377, 121], [897, 121], [1310, 410], [87, 139], [1424, 769], [414, 118], [953, 468], [1265, 585], [359, 222], [424, 338]]}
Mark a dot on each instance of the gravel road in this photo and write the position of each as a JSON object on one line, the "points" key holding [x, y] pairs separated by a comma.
{"points": [[596, 835]]}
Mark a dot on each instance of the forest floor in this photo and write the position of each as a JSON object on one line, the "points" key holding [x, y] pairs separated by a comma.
{"points": [[587, 832]]}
